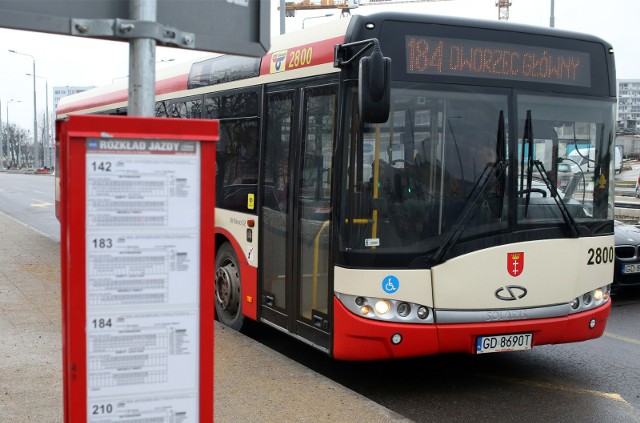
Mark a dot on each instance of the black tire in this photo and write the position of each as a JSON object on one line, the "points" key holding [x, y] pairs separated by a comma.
{"points": [[228, 292]]}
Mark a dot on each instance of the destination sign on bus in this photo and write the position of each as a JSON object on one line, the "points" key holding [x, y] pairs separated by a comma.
{"points": [[483, 59]]}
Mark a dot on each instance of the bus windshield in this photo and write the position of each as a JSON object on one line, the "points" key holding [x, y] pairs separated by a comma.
{"points": [[443, 169]]}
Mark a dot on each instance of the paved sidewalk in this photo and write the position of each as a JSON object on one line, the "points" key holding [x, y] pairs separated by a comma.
{"points": [[247, 388], [30, 337], [255, 384]]}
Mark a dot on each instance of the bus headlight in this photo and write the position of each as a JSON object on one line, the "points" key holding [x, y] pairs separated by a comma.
{"points": [[387, 309], [382, 307], [404, 309], [598, 294], [423, 312], [575, 303], [590, 300]]}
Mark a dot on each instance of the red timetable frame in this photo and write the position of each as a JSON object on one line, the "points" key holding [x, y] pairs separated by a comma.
{"points": [[137, 201]]}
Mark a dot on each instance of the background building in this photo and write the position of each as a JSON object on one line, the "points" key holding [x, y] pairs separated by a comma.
{"points": [[628, 106], [59, 92]]}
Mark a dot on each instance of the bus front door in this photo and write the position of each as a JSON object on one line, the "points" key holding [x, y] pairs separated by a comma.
{"points": [[295, 213]]}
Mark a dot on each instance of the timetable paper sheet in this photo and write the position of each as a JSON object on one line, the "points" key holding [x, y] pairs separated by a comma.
{"points": [[140, 188], [142, 279], [140, 351], [142, 269], [149, 409]]}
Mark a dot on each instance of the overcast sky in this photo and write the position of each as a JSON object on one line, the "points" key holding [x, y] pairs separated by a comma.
{"points": [[75, 61]]}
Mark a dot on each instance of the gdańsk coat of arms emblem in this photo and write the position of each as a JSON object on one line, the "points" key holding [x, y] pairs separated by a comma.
{"points": [[515, 263]]}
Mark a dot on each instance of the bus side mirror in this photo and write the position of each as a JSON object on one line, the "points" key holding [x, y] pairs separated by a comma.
{"points": [[374, 87]]}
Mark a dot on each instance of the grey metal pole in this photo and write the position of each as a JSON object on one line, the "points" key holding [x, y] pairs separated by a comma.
{"points": [[1, 139], [282, 16], [19, 164], [35, 115], [36, 156], [142, 57], [8, 139], [46, 123], [552, 19]]}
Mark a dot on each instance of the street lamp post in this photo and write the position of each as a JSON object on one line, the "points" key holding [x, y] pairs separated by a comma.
{"points": [[35, 116], [9, 102], [316, 17], [1, 139], [46, 120]]}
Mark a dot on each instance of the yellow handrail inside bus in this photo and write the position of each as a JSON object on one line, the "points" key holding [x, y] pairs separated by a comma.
{"points": [[316, 259], [376, 178], [358, 221]]}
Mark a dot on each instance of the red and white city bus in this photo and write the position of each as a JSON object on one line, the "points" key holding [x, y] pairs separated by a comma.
{"points": [[387, 184]]}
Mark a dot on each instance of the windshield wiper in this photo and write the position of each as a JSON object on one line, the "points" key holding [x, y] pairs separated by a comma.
{"points": [[528, 139], [473, 203], [569, 220], [501, 148], [492, 171]]}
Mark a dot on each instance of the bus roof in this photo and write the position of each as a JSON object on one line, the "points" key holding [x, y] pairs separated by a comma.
{"points": [[192, 77], [176, 77]]}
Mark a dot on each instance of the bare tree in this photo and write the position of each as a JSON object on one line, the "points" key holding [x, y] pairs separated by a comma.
{"points": [[26, 147], [43, 139], [16, 141], [10, 135]]}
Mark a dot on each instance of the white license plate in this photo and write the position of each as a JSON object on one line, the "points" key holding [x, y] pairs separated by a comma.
{"points": [[631, 268], [501, 343]]}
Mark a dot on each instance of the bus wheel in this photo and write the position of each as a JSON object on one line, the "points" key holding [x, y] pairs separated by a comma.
{"points": [[228, 292]]}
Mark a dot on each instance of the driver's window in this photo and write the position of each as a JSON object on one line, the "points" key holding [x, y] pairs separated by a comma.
{"points": [[561, 149]]}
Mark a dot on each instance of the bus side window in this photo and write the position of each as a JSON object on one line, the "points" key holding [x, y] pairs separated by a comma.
{"points": [[185, 108], [238, 163], [195, 109], [173, 110], [237, 149], [161, 109]]}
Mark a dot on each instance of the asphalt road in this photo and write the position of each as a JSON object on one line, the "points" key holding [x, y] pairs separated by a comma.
{"points": [[592, 381], [31, 199]]}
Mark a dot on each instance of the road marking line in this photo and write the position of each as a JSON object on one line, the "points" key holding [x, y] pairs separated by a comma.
{"points": [[549, 385], [622, 338], [40, 203]]}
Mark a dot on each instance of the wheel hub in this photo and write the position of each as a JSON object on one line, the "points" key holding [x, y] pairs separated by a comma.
{"points": [[226, 288]]}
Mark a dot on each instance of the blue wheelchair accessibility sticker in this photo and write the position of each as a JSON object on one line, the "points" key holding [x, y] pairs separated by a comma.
{"points": [[390, 284]]}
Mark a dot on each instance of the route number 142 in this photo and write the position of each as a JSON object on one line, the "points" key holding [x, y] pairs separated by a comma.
{"points": [[101, 166]]}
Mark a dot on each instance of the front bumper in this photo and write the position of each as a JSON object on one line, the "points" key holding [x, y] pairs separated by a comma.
{"points": [[357, 338]]}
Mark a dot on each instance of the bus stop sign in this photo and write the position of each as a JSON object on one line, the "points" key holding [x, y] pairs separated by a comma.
{"points": [[137, 224]]}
